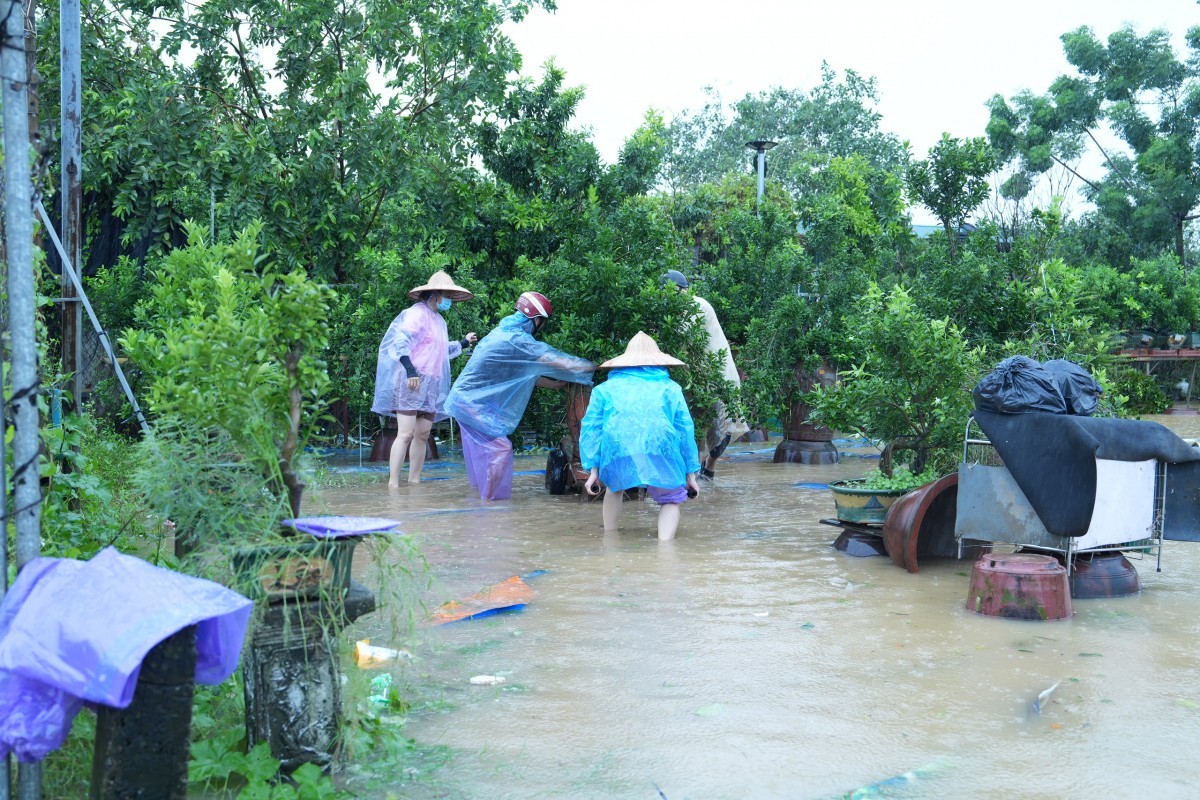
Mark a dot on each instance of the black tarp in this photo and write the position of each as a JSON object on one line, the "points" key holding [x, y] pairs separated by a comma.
{"points": [[1052, 457]]}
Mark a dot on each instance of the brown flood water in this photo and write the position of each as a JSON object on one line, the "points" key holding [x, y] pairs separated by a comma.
{"points": [[749, 659]]}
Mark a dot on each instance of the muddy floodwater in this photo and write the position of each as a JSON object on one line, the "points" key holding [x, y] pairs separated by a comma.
{"points": [[749, 659]]}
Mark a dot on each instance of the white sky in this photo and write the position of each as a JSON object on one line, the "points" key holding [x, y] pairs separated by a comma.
{"points": [[936, 61]]}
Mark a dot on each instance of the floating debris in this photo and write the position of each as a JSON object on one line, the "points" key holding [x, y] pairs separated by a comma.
{"points": [[369, 655], [887, 787], [487, 680], [509, 595], [1042, 697]]}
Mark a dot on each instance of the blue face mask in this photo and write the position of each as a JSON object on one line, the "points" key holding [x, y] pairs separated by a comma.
{"points": [[444, 304]]}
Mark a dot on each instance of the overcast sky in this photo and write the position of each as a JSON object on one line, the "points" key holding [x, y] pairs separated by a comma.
{"points": [[936, 61]]}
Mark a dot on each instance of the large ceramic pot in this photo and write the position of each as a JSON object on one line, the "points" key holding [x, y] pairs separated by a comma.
{"points": [[804, 442], [381, 447], [854, 503]]}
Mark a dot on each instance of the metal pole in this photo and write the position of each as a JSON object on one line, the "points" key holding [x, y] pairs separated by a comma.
{"points": [[69, 271], [72, 193], [18, 221], [762, 177]]}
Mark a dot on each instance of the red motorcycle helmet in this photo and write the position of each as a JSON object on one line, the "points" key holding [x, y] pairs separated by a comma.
{"points": [[534, 305]]}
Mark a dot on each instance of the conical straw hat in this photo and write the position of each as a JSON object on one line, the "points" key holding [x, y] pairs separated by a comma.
{"points": [[441, 282], [642, 351]]}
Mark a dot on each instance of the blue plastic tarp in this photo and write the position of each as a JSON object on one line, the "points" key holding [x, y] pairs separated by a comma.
{"points": [[492, 391], [77, 631]]}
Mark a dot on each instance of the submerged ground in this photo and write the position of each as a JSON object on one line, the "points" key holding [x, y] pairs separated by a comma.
{"points": [[748, 658]]}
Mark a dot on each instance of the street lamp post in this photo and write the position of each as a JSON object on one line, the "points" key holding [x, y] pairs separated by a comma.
{"points": [[761, 146]]}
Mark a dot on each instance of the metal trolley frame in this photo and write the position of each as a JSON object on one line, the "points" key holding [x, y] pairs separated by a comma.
{"points": [[978, 451]]}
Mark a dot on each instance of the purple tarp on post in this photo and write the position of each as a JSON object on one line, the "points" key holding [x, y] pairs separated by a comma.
{"points": [[339, 527], [75, 631]]}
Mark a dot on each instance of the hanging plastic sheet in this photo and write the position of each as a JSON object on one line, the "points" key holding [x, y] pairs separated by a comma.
{"points": [[77, 631]]}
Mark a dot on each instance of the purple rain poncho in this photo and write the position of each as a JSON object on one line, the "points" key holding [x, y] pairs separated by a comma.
{"points": [[418, 332], [638, 431], [492, 391], [77, 631]]}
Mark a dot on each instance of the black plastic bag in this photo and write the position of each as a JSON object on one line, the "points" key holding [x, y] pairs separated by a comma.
{"points": [[1079, 389], [1019, 385]]}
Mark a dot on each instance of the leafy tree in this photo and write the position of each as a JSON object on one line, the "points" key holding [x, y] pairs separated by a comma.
{"points": [[543, 181], [910, 386], [235, 349], [952, 182], [837, 118], [1137, 87], [309, 116]]}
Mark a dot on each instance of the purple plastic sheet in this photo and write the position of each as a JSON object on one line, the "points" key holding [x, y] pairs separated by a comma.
{"points": [[489, 463], [338, 527], [75, 631]]}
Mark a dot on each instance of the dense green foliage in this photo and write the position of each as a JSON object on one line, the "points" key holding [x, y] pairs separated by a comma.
{"points": [[910, 387], [267, 181]]}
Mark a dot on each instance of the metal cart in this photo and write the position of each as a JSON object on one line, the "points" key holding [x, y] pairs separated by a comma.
{"points": [[1127, 516]]}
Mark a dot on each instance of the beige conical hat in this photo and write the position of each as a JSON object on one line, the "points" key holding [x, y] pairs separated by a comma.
{"points": [[642, 351], [441, 282]]}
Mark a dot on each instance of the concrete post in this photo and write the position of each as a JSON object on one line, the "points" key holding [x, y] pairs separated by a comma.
{"points": [[142, 751]]}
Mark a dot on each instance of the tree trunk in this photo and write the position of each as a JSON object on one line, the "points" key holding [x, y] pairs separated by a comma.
{"points": [[1179, 252], [951, 236]]}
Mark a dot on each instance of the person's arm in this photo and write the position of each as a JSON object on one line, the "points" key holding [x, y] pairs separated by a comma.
{"points": [[414, 377], [561, 366]]}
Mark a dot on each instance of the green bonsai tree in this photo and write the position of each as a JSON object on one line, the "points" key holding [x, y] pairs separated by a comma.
{"points": [[229, 351], [910, 387]]}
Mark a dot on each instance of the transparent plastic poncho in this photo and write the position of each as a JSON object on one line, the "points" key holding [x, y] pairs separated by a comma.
{"points": [[418, 332], [638, 431], [492, 391]]}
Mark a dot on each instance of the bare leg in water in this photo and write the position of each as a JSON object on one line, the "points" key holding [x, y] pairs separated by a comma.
{"points": [[611, 509], [406, 433], [418, 448], [668, 521]]}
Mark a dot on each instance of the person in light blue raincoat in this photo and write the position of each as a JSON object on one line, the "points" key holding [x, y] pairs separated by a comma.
{"points": [[638, 432], [489, 396]]}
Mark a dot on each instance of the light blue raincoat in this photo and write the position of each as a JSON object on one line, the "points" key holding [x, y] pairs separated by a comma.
{"points": [[491, 392], [638, 431]]}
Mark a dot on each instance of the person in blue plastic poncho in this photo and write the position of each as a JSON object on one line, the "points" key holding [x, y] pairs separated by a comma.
{"points": [[490, 394], [412, 373], [638, 432]]}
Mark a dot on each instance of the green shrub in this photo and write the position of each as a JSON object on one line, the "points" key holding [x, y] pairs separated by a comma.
{"points": [[1141, 392]]}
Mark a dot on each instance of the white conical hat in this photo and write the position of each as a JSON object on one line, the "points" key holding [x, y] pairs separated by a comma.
{"points": [[642, 351], [441, 282]]}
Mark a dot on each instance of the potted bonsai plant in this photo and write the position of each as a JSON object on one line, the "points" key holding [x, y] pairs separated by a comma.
{"points": [[229, 354], [908, 391], [785, 358]]}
